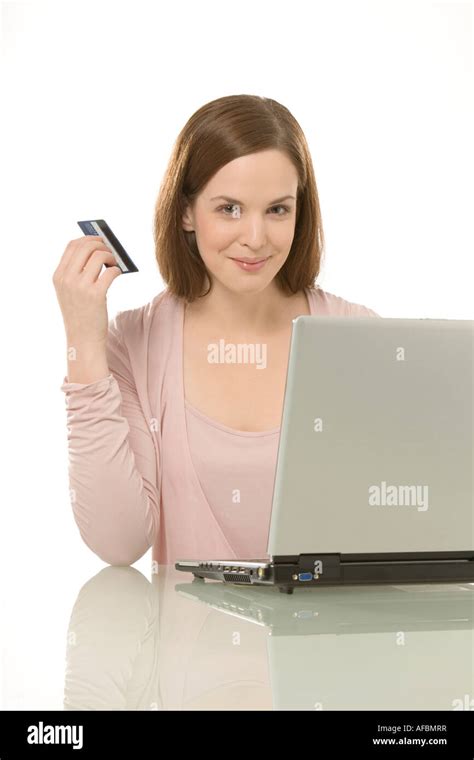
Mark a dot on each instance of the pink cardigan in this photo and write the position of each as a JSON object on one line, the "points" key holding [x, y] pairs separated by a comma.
{"points": [[132, 481]]}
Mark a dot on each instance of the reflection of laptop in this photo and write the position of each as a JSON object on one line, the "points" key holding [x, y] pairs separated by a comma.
{"points": [[360, 648], [374, 476], [343, 609]]}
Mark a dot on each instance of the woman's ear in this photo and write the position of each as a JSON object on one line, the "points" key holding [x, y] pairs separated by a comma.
{"points": [[188, 218]]}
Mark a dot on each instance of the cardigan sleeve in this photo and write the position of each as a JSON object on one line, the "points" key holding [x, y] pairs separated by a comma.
{"points": [[113, 461]]}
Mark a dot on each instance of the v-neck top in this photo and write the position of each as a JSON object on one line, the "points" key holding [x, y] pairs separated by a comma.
{"points": [[147, 469]]}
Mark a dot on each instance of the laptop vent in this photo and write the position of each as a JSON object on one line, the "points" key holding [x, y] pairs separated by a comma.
{"points": [[236, 578]]}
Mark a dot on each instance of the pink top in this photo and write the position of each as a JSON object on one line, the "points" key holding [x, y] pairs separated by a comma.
{"points": [[148, 469], [236, 470]]}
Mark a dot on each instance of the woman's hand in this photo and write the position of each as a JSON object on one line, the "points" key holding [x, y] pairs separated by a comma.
{"points": [[81, 292]]}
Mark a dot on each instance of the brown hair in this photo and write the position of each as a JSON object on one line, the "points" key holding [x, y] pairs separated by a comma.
{"points": [[217, 133]]}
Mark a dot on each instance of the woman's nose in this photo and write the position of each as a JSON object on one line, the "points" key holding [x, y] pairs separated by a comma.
{"points": [[253, 231]]}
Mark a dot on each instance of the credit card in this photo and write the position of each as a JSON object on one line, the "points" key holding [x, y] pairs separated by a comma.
{"points": [[101, 228]]}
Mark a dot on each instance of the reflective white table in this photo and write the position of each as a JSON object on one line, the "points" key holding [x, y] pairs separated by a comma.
{"points": [[169, 641]]}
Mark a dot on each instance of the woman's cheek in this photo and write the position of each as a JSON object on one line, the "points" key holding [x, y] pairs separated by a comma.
{"points": [[215, 236], [286, 237]]}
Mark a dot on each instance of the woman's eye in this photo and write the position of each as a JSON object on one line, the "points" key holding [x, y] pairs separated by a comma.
{"points": [[233, 206]]}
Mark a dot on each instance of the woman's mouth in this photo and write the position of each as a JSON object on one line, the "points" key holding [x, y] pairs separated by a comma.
{"points": [[251, 266]]}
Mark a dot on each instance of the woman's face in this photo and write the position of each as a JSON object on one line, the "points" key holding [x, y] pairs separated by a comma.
{"points": [[247, 210]]}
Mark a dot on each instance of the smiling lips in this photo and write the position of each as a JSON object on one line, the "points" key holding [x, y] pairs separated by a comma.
{"points": [[246, 260], [250, 265]]}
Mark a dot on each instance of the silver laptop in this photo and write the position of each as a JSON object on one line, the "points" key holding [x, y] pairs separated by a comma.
{"points": [[374, 475]]}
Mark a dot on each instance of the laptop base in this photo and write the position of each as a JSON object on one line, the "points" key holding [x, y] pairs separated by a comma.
{"points": [[310, 570]]}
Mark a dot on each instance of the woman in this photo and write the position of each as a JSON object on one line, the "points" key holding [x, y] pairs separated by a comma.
{"points": [[174, 407]]}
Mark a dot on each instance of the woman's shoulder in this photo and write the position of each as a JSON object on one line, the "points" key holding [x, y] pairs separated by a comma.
{"points": [[134, 324], [163, 303], [330, 304]]}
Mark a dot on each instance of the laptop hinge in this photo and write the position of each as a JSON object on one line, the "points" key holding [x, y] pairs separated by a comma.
{"points": [[328, 566]]}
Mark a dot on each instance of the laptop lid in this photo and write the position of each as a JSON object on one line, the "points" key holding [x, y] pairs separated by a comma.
{"points": [[376, 443]]}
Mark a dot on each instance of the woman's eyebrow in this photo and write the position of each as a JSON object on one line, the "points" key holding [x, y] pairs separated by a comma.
{"points": [[233, 200]]}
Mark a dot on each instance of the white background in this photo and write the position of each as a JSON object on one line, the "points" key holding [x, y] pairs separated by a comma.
{"points": [[94, 95]]}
